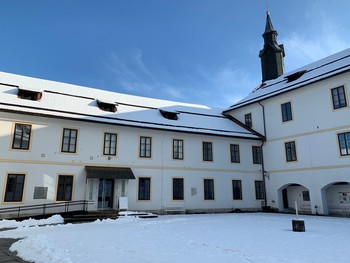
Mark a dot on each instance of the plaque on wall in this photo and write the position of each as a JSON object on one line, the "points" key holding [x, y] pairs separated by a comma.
{"points": [[40, 192]]}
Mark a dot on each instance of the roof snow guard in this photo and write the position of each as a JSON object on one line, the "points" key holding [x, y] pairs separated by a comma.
{"points": [[325, 68]]}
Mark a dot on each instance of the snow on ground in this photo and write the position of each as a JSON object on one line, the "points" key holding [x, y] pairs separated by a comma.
{"points": [[250, 237]]}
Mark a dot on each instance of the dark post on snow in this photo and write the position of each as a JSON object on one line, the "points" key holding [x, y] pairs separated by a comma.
{"points": [[298, 224]]}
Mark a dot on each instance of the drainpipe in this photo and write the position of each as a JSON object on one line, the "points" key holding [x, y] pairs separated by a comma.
{"points": [[262, 154]]}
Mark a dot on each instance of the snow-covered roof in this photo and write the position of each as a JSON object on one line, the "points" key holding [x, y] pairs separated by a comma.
{"points": [[63, 100], [314, 72]]}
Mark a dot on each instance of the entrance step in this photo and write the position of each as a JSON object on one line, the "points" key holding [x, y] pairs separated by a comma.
{"points": [[138, 214], [90, 217]]}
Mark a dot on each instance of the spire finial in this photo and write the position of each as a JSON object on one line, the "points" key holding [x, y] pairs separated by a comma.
{"points": [[267, 8]]}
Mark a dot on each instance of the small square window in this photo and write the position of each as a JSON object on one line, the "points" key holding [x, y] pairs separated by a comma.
{"points": [[21, 136], [110, 144], [257, 154], [207, 151], [248, 120], [64, 188], [144, 192], [209, 189], [235, 156], [286, 109], [306, 196], [69, 141], [178, 189], [14, 188], [339, 97], [237, 189], [291, 153], [344, 143], [145, 147], [259, 190], [178, 149]]}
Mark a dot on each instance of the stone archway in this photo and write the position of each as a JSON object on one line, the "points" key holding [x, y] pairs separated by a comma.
{"points": [[294, 193], [337, 198]]}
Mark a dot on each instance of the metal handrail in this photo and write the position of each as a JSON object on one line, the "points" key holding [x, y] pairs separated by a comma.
{"points": [[66, 205]]}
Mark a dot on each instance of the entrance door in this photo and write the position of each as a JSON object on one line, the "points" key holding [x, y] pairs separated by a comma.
{"points": [[285, 198], [105, 194]]}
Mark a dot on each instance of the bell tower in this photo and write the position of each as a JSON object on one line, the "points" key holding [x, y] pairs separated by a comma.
{"points": [[272, 54]]}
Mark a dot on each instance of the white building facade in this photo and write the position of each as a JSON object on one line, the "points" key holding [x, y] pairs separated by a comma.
{"points": [[63, 143], [305, 118]]}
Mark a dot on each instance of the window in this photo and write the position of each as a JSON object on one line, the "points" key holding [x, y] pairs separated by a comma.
{"points": [[248, 120], [339, 97], [306, 196], [145, 147], [21, 137], [344, 143], [14, 188], [286, 109], [208, 189], [234, 149], [69, 141], [259, 190], [257, 155], [207, 151], [237, 189], [291, 153], [110, 144], [64, 188], [178, 189], [178, 149], [144, 188]]}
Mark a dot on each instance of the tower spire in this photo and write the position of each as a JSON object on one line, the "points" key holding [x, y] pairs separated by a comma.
{"points": [[272, 54]]}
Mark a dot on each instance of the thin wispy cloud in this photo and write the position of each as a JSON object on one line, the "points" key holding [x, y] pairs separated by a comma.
{"points": [[133, 76], [321, 37]]}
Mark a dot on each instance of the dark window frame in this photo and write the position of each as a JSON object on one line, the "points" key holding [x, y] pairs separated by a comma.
{"points": [[11, 195], [306, 196], [178, 149], [235, 153], [344, 143], [145, 147], [237, 190], [144, 189], [71, 147], [286, 110], [207, 148], [259, 190], [65, 185], [108, 148], [209, 189], [248, 120], [257, 154], [339, 97], [290, 151], [178, 189], [20, 138]]}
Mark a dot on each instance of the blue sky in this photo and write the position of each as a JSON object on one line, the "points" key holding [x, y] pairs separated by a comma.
{"points": [[197, 51]]}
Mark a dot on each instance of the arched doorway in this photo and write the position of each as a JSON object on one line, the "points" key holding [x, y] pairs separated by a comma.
{"points": [[294, 193], [338, 198]]}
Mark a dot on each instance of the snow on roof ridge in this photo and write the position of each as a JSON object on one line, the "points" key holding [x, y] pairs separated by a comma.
{"points": [[102, 94], [314, 66]]}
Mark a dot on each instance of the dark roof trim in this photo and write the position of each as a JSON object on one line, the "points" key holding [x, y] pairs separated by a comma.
{"points": [[288, 89], [262, 137], [112, 118], [130, 125], [109, 172]]}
